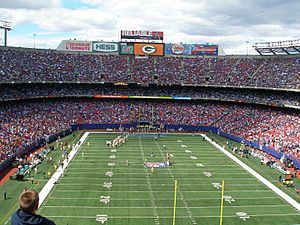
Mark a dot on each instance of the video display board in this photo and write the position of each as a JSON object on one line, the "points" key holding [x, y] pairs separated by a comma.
{"points": [[143, 35]]}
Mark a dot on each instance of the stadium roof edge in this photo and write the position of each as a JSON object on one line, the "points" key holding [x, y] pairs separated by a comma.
{"points": [[291, 47]]}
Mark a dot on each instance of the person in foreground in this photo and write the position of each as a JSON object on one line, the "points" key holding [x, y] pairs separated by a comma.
{"points": [[25, 215]]}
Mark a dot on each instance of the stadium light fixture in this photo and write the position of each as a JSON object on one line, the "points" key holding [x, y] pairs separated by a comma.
{"points": [[34, 36], [6, 26]]}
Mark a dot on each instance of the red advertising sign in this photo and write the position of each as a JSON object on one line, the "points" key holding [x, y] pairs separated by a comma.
{"points": [[140, 34], [79, 46]]}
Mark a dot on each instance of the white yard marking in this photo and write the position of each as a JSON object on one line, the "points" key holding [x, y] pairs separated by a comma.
{"points": [[134, 191], [50, 184], [153, 204], [242, 215], [112, 164], [186, 206], [228, 199], [193, 157], [217, 185], [112, 157], [143, 199], [271, 186], [105, 199], [199, 165], [207, 174], [109, 173], [101, 218], [181, 217], [107, 185], [167, 207]]}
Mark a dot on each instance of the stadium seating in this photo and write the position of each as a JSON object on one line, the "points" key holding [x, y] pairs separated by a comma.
{"points": [[27, 121], [268, 97], [45, 65]]}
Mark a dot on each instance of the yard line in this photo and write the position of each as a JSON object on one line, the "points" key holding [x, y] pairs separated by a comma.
{"points": [[109, 192], [259, 177], [199, 173], [154, 207], [134, 178], [166, 207], [196, 186], [248, 191], [171, 185], [191, 216], [143, 199], [181, 169], [180, 217], [58, 173]]}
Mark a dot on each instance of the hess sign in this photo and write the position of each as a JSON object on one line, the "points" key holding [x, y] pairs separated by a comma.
{"points": [[105, 47]]}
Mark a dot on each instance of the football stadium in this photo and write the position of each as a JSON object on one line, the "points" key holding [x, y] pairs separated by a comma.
{"points": [[144, 132]]}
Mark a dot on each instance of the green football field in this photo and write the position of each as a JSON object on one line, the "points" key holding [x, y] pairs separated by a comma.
{"points": [[102, 186]]}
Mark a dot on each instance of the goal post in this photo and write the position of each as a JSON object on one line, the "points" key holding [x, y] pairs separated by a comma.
{"points": [[222, 203], [174, 208]]}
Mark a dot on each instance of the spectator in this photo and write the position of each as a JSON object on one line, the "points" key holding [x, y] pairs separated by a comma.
{"points": [[26, 214]]}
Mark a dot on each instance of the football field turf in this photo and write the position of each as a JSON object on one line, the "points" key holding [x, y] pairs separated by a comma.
{"points": [[102, 186]]}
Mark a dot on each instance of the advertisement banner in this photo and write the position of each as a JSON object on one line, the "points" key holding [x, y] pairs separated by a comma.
{"points": [[126, 48], [178, 49], [198, 49], [78, 46], [105, 47], [141, 34], [148, 49]]}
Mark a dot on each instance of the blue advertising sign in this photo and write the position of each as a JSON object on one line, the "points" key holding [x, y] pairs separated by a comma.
{"points": [[198, 49], [177, 49]]}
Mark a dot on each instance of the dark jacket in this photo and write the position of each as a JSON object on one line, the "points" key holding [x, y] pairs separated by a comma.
{"points": [[22, 218]]}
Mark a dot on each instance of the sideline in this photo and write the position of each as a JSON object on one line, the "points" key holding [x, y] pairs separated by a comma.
{"points": [[57, 174], [279, 192], [10, 171]]}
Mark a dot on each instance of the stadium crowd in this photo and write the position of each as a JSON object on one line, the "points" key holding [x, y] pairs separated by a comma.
{"points": [[49, 65], [25, 122], [269, 97]]}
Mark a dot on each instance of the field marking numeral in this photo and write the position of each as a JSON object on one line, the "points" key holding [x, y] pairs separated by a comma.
{"points": [[199, 165], [104, 199], [228, 199], [208, 174], [109, 173], [242, 215], [108, 185], [111, 164], [101, 218], [216, 185]]}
